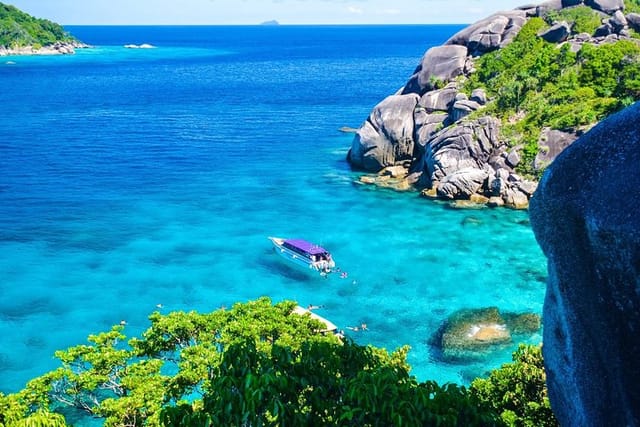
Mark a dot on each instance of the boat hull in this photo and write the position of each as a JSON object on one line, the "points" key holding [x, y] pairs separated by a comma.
{"points": [[299, 259]]}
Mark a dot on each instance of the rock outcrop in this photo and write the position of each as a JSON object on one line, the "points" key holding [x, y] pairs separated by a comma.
{"points": [[440, 134], [386, 138], [472, 334], [551, 144], [59, 48], [490, 33], [469, 145], [606, 6], [633, 20], [585, 218], [557, 33], [441, 63]]}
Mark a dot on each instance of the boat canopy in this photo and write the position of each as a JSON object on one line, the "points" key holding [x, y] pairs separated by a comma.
{"points": [[304, 246]]}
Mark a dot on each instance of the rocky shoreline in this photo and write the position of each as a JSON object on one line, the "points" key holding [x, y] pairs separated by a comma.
{"points": [[59, 48], [433, 137]]}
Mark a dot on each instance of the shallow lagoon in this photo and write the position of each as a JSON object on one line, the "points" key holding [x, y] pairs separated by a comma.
{"points": [[132, 178]]}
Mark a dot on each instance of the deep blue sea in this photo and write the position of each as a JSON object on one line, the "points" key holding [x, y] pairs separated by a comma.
{"points": [[136, 177]]}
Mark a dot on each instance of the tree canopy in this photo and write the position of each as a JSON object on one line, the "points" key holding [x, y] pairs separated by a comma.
{"points": [[255, 364], [518, 390], [21, 29]]}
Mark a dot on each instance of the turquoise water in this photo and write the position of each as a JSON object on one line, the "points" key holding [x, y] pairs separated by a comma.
{"points": [[132, 178]]}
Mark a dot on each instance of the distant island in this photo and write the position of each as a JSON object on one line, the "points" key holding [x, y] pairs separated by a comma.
{"points": [[23, 34], [272, 22]]}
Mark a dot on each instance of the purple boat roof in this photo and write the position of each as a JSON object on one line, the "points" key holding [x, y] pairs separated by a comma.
{"points": [[308, 247]]}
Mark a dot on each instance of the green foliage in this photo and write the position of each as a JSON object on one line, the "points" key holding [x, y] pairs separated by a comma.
{"points": [[262, 364], [20, 29], [535, 84], [582, 19], [632, 6], [325, 384], [517, 391], [256, 364], [14, 412], [611, 70], [492, 66], [437, 83]]}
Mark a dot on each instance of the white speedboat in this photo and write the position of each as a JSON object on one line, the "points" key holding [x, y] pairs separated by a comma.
{"points": [[304, 254]]}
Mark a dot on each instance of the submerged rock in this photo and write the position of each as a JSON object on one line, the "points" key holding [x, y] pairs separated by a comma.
{"points": [[585, 218], [527, 323], [472, 334], [395, 178], [348, 129]]}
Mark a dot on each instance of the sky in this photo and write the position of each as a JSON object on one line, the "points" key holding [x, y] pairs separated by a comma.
{"points": [[234, 12]]}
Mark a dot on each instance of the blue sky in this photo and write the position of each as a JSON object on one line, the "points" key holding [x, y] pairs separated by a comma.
{"points": [[218, 12]]}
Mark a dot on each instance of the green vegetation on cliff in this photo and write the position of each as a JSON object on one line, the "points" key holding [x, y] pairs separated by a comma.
{"points": [[19, 29], [535, 84], [262, 364], [632, 6], [583, 19]]}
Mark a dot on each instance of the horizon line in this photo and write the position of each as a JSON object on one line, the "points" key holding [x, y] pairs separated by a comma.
{"points": [[268, 25]]}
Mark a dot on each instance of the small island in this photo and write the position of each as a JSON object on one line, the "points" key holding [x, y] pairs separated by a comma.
{"points": [[23, 34], [272, 23]]}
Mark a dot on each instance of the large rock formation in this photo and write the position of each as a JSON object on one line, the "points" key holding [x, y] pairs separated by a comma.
{"points": [[441, 63], [490, 33], [387, 136], [438, 133], [585, 217], [606, 6]]}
